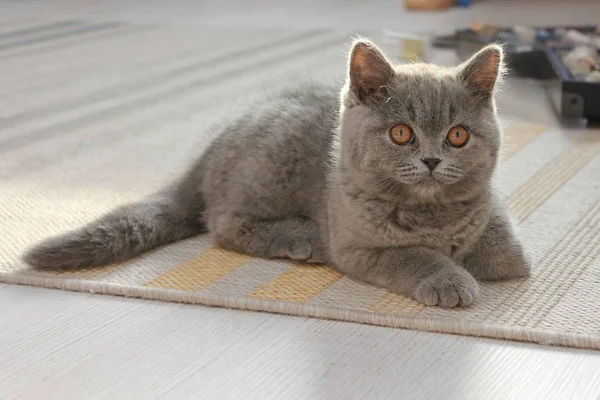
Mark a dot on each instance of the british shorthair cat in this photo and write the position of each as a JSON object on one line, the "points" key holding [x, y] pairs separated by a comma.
{"points": [[388, 179]]}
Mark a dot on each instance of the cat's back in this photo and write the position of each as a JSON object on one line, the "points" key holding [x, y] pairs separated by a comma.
{"points": [[306, 110], [281, 143]]}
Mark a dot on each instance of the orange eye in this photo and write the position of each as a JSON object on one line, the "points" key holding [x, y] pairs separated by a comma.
{"points": [[457, 136], [401, 134]]}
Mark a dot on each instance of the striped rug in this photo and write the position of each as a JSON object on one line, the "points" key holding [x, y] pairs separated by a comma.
{"points": [[97, 114]]}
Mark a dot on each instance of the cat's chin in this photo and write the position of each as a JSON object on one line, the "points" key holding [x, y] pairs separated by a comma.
{"points": [[425, 192], [439, 180], [427, 187]]}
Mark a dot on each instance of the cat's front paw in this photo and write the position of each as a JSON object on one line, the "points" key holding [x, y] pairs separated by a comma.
{"points": [[308, 251], [298, 250], [495, 266], [318, 255], [447, 288]]}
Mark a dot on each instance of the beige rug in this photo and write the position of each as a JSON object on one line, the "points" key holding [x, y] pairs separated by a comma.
{"points": [[96, 114]]}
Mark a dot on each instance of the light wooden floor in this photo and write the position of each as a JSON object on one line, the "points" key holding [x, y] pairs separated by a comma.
{"points": [[60, 345]]}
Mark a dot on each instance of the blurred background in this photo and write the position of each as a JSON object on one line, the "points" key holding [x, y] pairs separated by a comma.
{"points": [[352, 14], [103, 102], [46, 45]]}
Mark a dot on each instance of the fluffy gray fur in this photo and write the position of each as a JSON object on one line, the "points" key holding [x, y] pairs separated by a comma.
{"points": [[313, 175]]}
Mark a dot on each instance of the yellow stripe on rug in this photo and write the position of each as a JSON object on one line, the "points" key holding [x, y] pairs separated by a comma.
{"points": [[391, 303], [299, 284], [518, 135], [532, 193], [200, 271]]}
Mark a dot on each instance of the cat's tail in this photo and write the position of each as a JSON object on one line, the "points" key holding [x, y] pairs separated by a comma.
{"points": [[121, 234]]}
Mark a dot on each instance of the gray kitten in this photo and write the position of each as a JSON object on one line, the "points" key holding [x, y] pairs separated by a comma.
{"points": [[388, 181]]}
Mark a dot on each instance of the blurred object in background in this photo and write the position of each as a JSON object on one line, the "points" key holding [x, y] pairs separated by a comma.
{"points": [[526, 34], [428, 4], [434, 4], [565, 58], [485, 30], [406, 47], [582, 61]]}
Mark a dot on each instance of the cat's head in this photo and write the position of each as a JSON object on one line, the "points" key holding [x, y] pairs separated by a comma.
{"points": [[428, 130]]}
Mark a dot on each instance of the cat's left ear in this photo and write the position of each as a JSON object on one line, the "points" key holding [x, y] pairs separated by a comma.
{"points": [[369, 71], [482, 72]]}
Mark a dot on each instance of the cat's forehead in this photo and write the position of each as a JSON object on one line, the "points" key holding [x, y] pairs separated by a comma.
{"points": [[428, 96]]}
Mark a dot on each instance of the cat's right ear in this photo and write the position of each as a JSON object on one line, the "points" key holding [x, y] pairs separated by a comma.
{"points": [[369, 71], [483, 70]]}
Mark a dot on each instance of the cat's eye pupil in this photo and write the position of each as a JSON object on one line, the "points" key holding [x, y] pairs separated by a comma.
{"points": [[401, 134], [457, 136]]}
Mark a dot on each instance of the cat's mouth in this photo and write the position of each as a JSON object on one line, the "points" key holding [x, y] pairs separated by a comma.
{"points": [[429, 179], [445, 179], [434, 178]]}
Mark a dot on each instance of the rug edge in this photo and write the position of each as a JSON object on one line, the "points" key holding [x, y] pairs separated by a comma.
{"points": [[438, 325]]}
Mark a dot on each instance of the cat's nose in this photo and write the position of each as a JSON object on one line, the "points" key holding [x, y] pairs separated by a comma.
{"points": [[431, 162]]}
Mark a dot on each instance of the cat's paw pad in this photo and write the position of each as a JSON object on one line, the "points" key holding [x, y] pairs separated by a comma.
{"points": [[299, 250], [304, 250], [448, 288]]}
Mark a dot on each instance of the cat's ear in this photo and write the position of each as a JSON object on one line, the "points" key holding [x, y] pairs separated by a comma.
{"points": [[369, 71], [482, 72]]}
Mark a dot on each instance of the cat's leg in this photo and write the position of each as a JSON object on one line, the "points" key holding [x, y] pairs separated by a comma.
{"points": [[293, 238], [498, 254], [419, 272]]}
